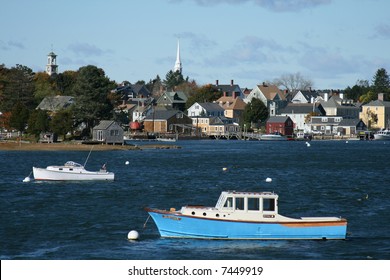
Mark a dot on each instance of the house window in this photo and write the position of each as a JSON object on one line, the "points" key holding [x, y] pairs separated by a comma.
{"points": [[196, 107], [324, 119], [337, 120]]}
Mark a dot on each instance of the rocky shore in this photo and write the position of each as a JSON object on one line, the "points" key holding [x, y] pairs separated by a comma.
{"points": [[75, 146]]}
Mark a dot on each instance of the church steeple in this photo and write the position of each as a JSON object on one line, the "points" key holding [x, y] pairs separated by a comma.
{"points": [[178, 66], [51, 66]]}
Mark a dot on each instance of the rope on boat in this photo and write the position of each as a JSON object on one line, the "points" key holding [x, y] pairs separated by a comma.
{"points": [[85, 163], [147, 219]]}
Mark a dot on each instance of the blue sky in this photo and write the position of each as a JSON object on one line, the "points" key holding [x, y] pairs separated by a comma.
{"points": [[332, 42]]}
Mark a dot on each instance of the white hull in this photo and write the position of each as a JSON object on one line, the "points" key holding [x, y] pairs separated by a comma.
{"points": [[273, 137], [382, 135], [77, 174]]}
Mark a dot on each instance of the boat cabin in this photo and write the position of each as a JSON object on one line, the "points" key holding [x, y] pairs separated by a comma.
{"points": [[265, 202]]}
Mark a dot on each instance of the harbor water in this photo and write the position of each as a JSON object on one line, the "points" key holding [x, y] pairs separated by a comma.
{"points": [[91, 220]]}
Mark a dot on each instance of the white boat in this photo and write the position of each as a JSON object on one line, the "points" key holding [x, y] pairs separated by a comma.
{"points": [[244, 215], [164, 139], [273, 137], [71, 171], [382, 135]]}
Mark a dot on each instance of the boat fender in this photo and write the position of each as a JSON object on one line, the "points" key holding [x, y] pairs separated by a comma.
{"points": [[172, 209]]}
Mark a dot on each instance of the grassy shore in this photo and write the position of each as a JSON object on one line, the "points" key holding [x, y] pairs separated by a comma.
{"points": [[70, 146]]}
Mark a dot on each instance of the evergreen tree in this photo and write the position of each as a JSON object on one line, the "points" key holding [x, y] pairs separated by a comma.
{"points": [[255, 112], [173, 79], [91, 91], [381, 81], [19, 117]]}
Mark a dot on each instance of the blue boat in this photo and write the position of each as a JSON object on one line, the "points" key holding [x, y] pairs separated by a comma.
{"points": [[244, 215]]}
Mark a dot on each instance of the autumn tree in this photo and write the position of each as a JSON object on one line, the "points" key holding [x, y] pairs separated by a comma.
{"points": [[206, 93]]}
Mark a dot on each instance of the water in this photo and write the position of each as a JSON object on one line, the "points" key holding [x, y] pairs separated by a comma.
{"points": [[90, 220]]}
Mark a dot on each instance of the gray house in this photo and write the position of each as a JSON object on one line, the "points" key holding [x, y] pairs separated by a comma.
{"points": [[108, 132]]}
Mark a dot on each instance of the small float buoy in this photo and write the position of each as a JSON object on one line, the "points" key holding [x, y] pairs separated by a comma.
{"points": [[127, 162], [268, 180], [308, 144], [133, 235], [224, 169], [346, 142], [27, 179]]}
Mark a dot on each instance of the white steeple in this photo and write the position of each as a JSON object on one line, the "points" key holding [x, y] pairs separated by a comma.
{"points": [[51, 66], [178, 66]]}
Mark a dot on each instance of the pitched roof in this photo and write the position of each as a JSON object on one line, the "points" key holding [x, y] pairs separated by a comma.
{"points": [[271, 91], [298, 108], [55, 103], [159, 115], [104, 124], [349, 122], [229, 102], [277, 119], [378, 103], [211, 106]]}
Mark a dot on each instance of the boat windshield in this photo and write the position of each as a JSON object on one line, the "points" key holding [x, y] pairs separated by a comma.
{"points": [[72, 163]]}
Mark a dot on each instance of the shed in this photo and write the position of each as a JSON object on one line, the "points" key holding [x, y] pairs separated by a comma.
{"points": [[163, 121], [281, 124], [108, 132]]}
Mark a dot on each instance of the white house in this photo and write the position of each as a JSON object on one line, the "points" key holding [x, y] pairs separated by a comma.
{"points": [[207, 109]]}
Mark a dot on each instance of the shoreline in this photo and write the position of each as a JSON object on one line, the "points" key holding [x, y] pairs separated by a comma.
{"points": [[69, 146]]}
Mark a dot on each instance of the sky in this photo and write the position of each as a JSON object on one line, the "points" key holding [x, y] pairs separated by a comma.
{"points": [[333, 43]]}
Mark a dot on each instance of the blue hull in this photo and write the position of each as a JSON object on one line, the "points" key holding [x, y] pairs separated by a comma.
{"points": [[180, 226]]}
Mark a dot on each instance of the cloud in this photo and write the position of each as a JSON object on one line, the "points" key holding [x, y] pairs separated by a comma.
{"points": [[87, 50], [198, 42], [250, 50], [383, 31], [6, 46], [273, 5], [327, 62]]}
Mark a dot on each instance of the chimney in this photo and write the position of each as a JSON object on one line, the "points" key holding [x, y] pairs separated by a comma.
{"points": [[326, 96], [380, 96], [231, 82], [216, 82]]}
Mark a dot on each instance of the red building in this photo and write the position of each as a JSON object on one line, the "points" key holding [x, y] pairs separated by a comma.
{"points": [[280, 124]]}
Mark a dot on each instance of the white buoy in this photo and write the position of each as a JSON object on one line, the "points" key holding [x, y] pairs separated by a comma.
{"points": [[127, 162], [224, 169], [27, 179], [308, 144], [133, 235], [346, 142], [268, 180]]}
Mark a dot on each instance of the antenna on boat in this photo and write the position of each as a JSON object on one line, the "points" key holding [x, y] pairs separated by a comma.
{"points": [[85, 163]]}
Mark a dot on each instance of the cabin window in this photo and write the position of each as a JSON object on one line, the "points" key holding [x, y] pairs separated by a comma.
{"points": [[229, 203], [240, 203], [253, 204], [268, 204]]}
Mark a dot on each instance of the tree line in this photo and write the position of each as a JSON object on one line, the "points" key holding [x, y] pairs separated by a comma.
{"points": [[21, 90]]}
